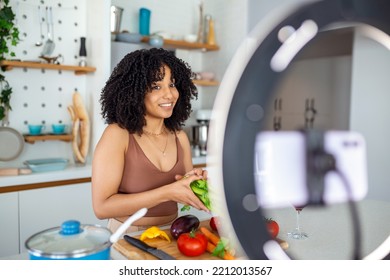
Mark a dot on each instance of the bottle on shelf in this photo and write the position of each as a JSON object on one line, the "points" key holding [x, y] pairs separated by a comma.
{"points": [[206, 28], [82, 53], [200, 38], [211, 32]]}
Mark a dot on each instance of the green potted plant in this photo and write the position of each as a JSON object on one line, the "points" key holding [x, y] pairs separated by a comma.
{"points": [[9, 36]]}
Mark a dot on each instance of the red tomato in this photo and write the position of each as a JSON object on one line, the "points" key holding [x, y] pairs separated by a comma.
{"points": [[272, 227], [214, 223], [192, 244]]}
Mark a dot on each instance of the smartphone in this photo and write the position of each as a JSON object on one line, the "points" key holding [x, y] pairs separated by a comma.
{"points": [[280, 168]]}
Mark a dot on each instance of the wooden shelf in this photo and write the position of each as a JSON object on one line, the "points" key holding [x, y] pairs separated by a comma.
{"points": [[180, 44], [78, 70], [61, 137], [206, 83]]}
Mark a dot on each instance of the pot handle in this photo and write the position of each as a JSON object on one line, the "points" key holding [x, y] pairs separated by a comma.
{"points": [[137, 215]]}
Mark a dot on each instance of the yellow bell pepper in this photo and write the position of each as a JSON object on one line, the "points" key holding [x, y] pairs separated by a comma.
{"points": [[154, 232]]}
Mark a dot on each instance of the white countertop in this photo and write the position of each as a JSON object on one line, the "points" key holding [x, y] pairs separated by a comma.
{"points": [[330, 229], [199, 160], [71, 172]]}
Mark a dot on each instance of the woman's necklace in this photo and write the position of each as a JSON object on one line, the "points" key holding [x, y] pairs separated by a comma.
{"points": [[147, 133], [152, 133]]}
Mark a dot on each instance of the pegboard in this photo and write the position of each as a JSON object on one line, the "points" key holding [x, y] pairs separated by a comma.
{"points": [[69, 24], [41, 96]]}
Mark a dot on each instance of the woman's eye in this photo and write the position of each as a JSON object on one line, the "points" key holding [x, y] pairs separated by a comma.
{"points": [[156, 87], [172, 85]]}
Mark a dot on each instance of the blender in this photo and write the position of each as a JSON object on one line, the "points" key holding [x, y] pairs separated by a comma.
{"points": [[200, 132]]}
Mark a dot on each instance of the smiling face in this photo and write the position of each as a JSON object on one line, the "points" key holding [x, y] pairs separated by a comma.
{"points": [[160, 101]]}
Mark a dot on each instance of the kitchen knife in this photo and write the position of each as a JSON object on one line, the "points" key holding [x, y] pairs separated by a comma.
{"points": [[149, 249]]}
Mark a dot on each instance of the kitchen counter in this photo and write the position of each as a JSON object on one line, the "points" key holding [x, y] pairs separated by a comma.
{"points": [[72, 172], [201, 160], [330, 229]]}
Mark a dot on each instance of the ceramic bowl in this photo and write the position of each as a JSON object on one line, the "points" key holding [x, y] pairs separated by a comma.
{"points": [[207, 76], [190, 38], [59, 128], [36, 129], [156, 41]]}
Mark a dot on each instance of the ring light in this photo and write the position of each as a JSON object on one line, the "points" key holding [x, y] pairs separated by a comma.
{"points": [[249, 82]]}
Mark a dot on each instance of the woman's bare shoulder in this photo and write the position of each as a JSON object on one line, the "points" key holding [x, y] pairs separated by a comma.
{"points": [[181, 135], [115, 129], [183, 138], [115, 134]]}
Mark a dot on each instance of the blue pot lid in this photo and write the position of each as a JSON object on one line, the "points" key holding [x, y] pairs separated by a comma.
{"points": [[71, 240]]}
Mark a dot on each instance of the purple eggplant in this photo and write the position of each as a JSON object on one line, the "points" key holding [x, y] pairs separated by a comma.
{"points": [[184, 224]]}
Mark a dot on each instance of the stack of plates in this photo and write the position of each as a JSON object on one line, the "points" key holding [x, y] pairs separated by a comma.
{"points": [[129, 37], [46, 164]]}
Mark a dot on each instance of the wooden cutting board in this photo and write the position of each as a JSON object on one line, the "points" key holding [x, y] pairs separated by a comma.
{"points": [[133, 253], [14, 171]]}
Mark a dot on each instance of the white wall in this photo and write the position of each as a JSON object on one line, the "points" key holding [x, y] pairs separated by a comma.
{"points": [[370, 114], [326, 81], [231, 29], [177, 18], [98, 30]]}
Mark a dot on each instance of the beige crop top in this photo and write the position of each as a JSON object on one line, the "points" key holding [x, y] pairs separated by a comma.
{"points": [[140, 174]]}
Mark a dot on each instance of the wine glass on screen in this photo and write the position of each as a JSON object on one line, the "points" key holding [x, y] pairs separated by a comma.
{"points": [[297, 233]]}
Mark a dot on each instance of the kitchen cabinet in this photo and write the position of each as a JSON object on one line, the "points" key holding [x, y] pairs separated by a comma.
{"points": [[41, 209], [29, 211], [9, 224]]}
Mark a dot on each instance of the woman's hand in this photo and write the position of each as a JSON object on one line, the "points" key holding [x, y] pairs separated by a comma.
{"points": [[184, 193], [202, 174]]}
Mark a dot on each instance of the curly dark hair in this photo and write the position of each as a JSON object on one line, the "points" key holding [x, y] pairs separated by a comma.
{"points": [[122, 98]]}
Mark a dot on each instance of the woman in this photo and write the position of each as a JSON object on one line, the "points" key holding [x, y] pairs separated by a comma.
{"points": [[143, 158]]}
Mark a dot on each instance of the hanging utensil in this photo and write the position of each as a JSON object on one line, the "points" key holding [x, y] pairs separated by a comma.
{"points": [[49, 46], [39, 42]]}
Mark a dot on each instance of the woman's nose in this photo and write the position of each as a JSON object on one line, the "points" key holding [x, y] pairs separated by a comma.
{"points": [[168, 92]]}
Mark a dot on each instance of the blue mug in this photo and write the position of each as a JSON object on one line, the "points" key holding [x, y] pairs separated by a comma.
{"points": [[35, 129], [58, 128]]}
